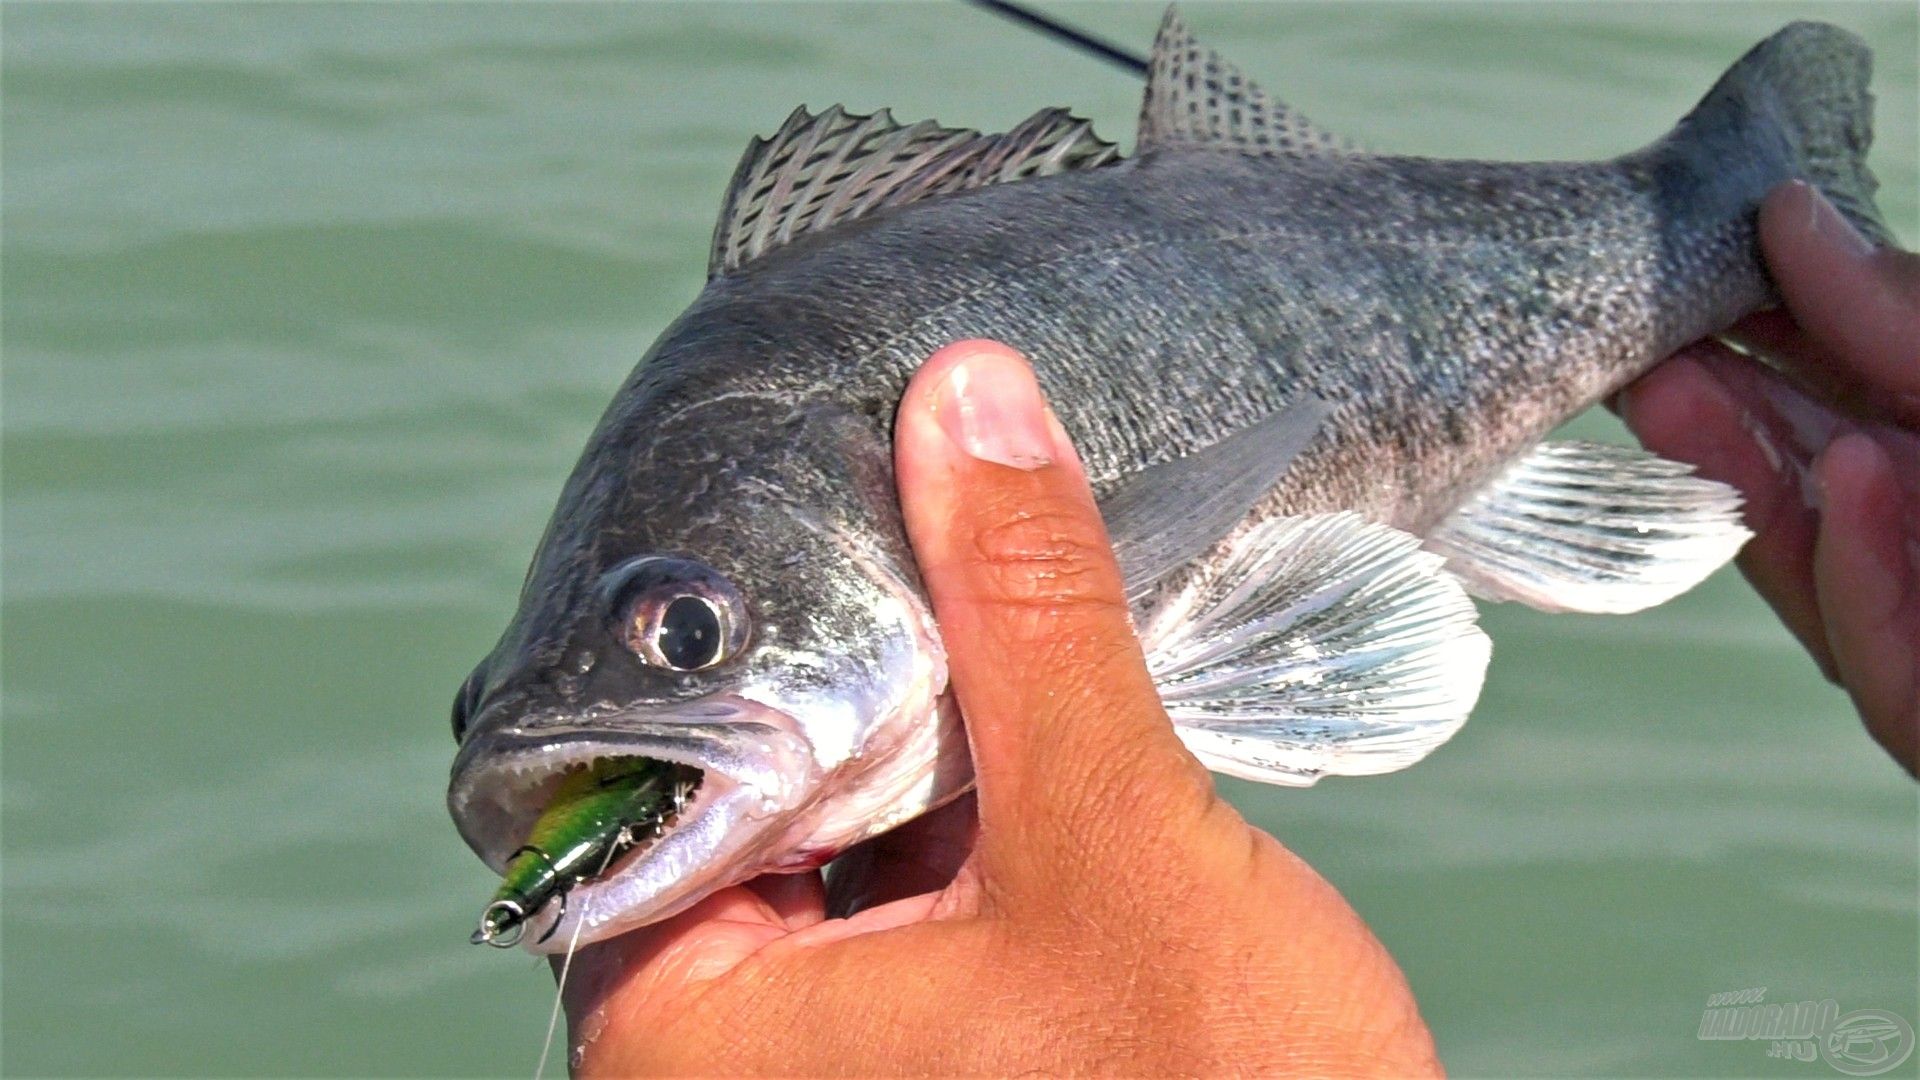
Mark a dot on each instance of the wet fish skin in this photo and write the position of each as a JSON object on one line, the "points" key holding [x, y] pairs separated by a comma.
{"points": [[1448, 313]]}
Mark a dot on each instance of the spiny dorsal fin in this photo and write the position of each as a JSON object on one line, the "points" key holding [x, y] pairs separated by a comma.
{"points": [[834, 166], [1196, 96]]}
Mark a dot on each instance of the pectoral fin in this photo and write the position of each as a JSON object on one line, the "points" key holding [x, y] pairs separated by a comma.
{"points": [[1164, 517], [1592, 527], [1322, 645]]}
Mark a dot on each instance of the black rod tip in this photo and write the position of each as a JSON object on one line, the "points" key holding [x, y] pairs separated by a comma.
{"points": [[1074, 36]]}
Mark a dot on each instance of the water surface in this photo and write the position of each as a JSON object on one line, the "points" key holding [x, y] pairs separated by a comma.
{"points": [[309, 308]]}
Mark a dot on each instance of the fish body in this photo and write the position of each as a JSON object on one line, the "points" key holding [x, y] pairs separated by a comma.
{"points": [[1293, 370], [1451, 312]]}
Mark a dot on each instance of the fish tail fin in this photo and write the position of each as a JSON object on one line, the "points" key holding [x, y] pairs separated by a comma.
{"points": [[1795, 106]]}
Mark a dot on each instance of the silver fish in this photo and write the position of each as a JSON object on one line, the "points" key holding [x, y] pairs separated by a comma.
{"points": [[1310, 384]]}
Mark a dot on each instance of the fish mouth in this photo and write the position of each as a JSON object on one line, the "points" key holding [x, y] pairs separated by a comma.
{"points": [[744, 769]]}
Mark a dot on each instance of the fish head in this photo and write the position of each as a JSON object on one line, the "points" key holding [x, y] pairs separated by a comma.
{"points": [[728, 590]]}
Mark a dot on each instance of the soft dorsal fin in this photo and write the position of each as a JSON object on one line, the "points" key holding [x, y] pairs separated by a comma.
{"points": [[1196, 96], [829, 167]]}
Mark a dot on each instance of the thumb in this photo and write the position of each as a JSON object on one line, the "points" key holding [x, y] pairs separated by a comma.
{"points": [[1076, 761]]}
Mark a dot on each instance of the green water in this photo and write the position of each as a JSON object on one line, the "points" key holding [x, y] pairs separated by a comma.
{"points": [[308, 310]]}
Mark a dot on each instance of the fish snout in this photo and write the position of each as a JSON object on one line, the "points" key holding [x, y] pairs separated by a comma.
{"points": [[748, 770]]}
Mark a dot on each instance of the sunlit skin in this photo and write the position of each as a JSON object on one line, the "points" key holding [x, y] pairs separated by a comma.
{"points": [[1099, 909]]}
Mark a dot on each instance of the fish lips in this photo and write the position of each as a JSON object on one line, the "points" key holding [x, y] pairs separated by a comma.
{"points": [[757, 770]]}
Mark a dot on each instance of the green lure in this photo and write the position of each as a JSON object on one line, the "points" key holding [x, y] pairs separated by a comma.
{"points": [[597, 814]]}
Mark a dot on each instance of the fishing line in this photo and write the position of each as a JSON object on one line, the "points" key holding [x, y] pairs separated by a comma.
{"points": [[566, 966], [1073, 36], [560, 989]]}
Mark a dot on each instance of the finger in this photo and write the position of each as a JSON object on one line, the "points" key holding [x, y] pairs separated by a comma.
{"points": [[1860, 303], [1706, 407], [1774, 337], [700, 943], [1777, 340], [1070, 745], [919, 857], [1867, 566], [615, 981], [800, 900], [1772, 333]]}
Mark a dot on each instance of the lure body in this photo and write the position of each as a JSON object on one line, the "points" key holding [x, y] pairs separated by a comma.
{"points": [[596, 815]]}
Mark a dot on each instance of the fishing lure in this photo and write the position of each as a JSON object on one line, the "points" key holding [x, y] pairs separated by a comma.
{"points": [[597, 814]]}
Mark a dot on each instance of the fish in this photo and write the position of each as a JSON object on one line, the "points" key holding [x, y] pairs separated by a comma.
{"points": [[1312, 387]]}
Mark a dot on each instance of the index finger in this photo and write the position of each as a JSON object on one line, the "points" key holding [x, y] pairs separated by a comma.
{"points": [[1075, 758]]}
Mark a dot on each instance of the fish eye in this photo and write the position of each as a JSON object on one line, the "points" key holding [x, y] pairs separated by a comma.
{"points": [[677, 614], [464, 704], [688, 637]]}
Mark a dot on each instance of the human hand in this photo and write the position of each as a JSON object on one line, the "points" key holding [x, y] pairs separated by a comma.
{"points": [[1102, 911], [1826, 448]]}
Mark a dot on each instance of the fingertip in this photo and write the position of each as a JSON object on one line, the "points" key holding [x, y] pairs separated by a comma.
{"points": [[926, 378], [987, 502], [1852, 466], [980, 456], [1797, 216], [1787, 214], [1860, 499], [985, 399], [923, 455], [1685, 410]]}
